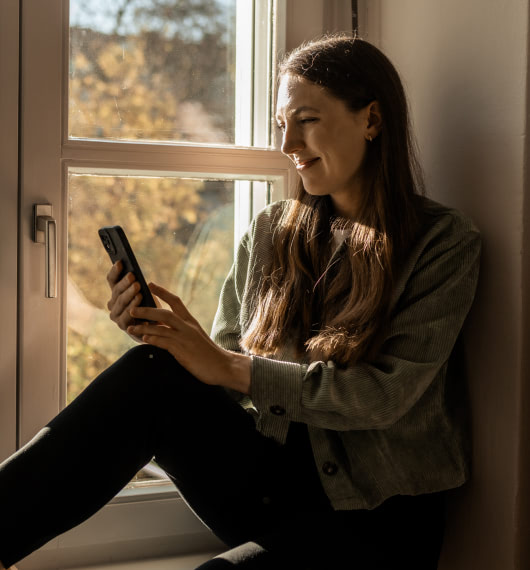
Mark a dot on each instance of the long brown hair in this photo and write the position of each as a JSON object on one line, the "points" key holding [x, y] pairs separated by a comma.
{"points": [[337, 309]]}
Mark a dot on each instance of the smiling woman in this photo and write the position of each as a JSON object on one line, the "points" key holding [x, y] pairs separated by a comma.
{"points": [[330, 370], [355, 149], [326, 140]]}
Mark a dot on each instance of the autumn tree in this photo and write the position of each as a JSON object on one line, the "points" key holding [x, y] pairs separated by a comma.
{"points": [[161, 70]]}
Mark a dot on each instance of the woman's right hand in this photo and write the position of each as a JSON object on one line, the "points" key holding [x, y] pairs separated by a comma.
{"points": [[125, 296]]}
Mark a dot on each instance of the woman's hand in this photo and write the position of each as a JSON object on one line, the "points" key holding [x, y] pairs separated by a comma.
{"points": [[178, 332], [125, 296]]}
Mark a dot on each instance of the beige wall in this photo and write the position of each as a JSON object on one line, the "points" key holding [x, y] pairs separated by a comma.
{"points": [[464, 64], [308, 19]]}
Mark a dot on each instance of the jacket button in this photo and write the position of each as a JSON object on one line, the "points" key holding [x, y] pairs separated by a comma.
{"points": [[277, 410], [329, 468]]}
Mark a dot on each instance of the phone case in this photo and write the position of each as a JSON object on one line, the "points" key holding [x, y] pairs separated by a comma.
{"points": [[117, 246]]}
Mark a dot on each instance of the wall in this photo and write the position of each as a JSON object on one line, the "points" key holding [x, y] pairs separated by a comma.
{"points": [[308, 19], [464, 65]]}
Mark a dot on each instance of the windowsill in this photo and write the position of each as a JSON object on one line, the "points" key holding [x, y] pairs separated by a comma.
{"points": [[132, 527], [146, 492], [174, 563]]}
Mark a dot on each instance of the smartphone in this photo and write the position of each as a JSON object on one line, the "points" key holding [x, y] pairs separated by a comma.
{"points": [[117, 246]]}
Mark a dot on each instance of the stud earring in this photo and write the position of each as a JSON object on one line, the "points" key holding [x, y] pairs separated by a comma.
{"points": [[370, 138]]}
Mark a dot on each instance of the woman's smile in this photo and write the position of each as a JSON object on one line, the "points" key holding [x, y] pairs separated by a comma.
{"points": [[325, 140], [302, 165]]}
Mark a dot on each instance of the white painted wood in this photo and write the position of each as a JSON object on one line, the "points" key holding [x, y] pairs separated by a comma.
{"points": [[9, 59]]}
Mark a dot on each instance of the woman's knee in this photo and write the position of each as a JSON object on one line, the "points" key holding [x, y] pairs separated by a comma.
{"points": [[136, 376], [154, 370], [146, 363], [146, 354]]}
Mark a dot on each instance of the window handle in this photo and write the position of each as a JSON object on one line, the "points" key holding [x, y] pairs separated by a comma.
{"points": [[45, 231]]}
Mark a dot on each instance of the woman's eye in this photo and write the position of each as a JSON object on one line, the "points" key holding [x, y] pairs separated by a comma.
{"points": [[308, 120]]}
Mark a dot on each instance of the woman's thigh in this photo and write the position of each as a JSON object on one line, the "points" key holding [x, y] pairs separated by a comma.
{"points": [[266, 501], [245, 487], [144, 405], [404, 532], [239, 482]]}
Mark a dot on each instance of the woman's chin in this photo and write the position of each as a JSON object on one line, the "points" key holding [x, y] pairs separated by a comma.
{"points": [[315, 190]]}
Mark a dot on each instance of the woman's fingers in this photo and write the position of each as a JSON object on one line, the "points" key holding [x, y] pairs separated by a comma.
{"points": [[125, 319], [148, 330], [175, 302], [124, 297], [163, 316], [114, 273], [119, 303], [182, 336]]}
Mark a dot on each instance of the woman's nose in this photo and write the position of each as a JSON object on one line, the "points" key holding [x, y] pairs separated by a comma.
{"points": [[291, 140]]}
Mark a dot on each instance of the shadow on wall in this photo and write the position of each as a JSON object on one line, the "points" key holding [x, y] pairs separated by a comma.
{"points": [[469, 131]]}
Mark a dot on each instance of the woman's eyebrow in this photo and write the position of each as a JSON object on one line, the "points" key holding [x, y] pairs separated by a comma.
{"points": [[298, 110], [304, 108]]}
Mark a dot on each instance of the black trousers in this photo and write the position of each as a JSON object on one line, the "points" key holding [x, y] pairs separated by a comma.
{"points": [[264, 500]]}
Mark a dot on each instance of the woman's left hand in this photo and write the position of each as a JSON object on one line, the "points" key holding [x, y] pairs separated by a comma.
{"points": [[178, 332]]}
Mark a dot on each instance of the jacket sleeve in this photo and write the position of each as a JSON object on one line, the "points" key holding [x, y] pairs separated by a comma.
{"points": [[226, 327], [432, 302]]}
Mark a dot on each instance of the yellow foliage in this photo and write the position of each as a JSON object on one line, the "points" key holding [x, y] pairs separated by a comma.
{"points": [[181, 229]]}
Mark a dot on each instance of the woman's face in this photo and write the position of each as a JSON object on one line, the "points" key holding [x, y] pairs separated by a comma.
{"points": [[325, 140]]}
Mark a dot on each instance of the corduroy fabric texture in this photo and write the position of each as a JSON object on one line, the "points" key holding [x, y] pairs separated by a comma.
{"points": [[385, 427]]}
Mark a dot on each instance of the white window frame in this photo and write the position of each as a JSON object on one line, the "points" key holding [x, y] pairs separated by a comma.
{"points": [[9, 98], [47, 154], [44, 161]]}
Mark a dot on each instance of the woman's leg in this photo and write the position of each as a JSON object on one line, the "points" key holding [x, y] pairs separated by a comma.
{"points": [[247, 488], [404, 532], [144, 405]]}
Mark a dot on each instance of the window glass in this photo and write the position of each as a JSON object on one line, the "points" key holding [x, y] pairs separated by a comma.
{"points": [[160, 70], [182, 232]]}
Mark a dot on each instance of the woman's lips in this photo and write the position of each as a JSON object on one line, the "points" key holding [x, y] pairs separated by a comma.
{"points": [[305, 164]]}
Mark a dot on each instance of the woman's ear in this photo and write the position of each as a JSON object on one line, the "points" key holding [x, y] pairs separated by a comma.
{"points": [[374, 120]]}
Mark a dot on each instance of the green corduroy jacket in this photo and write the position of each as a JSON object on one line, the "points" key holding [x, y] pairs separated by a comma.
{"points": [[392, 425]]}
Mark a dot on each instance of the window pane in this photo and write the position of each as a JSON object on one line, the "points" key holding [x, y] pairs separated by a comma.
{"points": [[182, 233], [160, 70]]}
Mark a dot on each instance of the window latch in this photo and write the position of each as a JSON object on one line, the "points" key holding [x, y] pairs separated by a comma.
{"points": [[45, 231]]}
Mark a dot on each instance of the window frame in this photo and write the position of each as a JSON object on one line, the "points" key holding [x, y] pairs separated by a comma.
{"points": [[47, 154], [44, 161], [9, 142]]}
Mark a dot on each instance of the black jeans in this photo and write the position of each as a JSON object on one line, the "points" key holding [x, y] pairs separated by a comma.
{"points": [[264, 500]]}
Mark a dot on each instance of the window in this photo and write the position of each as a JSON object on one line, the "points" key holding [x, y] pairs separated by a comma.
{"points": [[145, 117], [126, 144], [226, 163], [158, 72]]}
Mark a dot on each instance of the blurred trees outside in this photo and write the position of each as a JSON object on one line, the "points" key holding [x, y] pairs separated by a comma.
{"points": [[164, 71], [159, 70]]}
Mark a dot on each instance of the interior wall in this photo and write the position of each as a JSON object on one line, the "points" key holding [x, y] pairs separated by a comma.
{"points": [[464, 65], [308, 19]]}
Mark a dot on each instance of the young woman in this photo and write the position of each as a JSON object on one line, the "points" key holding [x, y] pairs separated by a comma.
{"points": [[318, 427]]}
